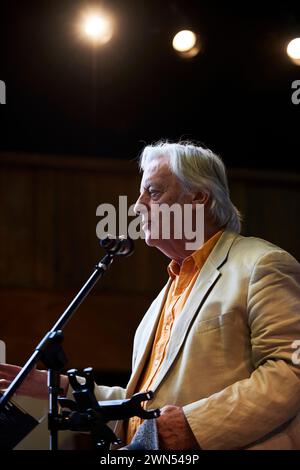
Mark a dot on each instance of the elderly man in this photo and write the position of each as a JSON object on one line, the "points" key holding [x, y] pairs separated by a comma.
{"points": [[216, 345]]}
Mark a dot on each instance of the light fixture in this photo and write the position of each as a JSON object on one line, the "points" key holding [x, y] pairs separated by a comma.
{"points": [[186, 43], [97, 27], [293, 50]]}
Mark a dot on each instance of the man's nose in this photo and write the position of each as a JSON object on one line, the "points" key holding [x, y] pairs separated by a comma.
{"points": [[140, 206]]}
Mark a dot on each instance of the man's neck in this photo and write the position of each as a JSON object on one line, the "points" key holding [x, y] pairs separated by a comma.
{"points": [[209, 233]]}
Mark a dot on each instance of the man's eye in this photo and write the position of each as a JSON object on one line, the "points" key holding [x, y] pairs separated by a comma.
{"points": [[154, 193]]}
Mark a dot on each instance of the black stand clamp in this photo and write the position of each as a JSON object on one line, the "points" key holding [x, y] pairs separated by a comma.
{"points": [[87, 414]]}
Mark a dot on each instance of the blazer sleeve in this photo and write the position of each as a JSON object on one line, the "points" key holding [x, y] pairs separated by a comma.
{"points": [[252, 408]]}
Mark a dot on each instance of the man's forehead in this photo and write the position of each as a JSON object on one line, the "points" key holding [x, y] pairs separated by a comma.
{"points": [[157, 170]]}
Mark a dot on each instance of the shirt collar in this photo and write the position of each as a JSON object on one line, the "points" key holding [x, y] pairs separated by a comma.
{"points": [[196, 259]]}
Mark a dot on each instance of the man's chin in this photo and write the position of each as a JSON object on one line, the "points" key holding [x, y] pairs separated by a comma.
{"points": [[150, 241]]}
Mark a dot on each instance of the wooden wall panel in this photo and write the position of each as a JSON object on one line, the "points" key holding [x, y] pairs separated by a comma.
{"points": [[44, 228], [270, 203], [48, 248], [57, 201], [100, 334]]}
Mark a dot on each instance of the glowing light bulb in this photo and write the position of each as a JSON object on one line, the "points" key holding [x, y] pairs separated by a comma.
{"points": [[186, 43], [184, 40], [293, 51], [98, 28]]}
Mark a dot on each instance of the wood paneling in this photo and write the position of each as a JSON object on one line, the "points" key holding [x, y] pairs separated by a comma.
{"points": [[48, 228], [100, 334], [48, 248], [270, 203]]}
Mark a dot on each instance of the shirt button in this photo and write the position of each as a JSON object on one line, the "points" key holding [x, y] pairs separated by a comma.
{"points": [[156, 362], [167, 327]]}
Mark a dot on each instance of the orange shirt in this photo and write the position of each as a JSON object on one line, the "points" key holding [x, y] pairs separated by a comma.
{"points": [[183, 279]]}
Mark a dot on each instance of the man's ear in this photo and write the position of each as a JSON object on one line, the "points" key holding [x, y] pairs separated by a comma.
{"points": [[200, 198]]}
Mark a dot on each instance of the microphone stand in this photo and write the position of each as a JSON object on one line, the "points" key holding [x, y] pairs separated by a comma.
{"points": [[50, 351]]}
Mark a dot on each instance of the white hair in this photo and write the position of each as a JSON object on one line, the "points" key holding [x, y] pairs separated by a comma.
{"points": [[198, 169]]}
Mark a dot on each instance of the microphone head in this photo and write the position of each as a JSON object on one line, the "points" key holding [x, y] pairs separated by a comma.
{"points": [[117, 246]]}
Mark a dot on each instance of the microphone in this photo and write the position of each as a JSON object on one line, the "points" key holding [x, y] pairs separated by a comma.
{"points": [[117, 246]]}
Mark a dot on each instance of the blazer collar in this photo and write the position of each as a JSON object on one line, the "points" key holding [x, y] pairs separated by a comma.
{"points": [[220, 251]]}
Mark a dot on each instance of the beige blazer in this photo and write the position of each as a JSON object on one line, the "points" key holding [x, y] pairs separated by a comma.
{"points": [[230, 362]]}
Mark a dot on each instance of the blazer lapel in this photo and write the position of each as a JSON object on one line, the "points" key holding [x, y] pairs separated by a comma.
{"points": [[147, 334], [205, 282]]}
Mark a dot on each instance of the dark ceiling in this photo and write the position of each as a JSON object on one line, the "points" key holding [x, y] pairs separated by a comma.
{"points": [[64, 97]]}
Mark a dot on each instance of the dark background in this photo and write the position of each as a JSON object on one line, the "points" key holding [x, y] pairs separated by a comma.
{"points": [[63, 97]]}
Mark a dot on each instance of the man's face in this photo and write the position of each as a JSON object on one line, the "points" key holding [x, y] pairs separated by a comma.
{"points": [[159, 186]]}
